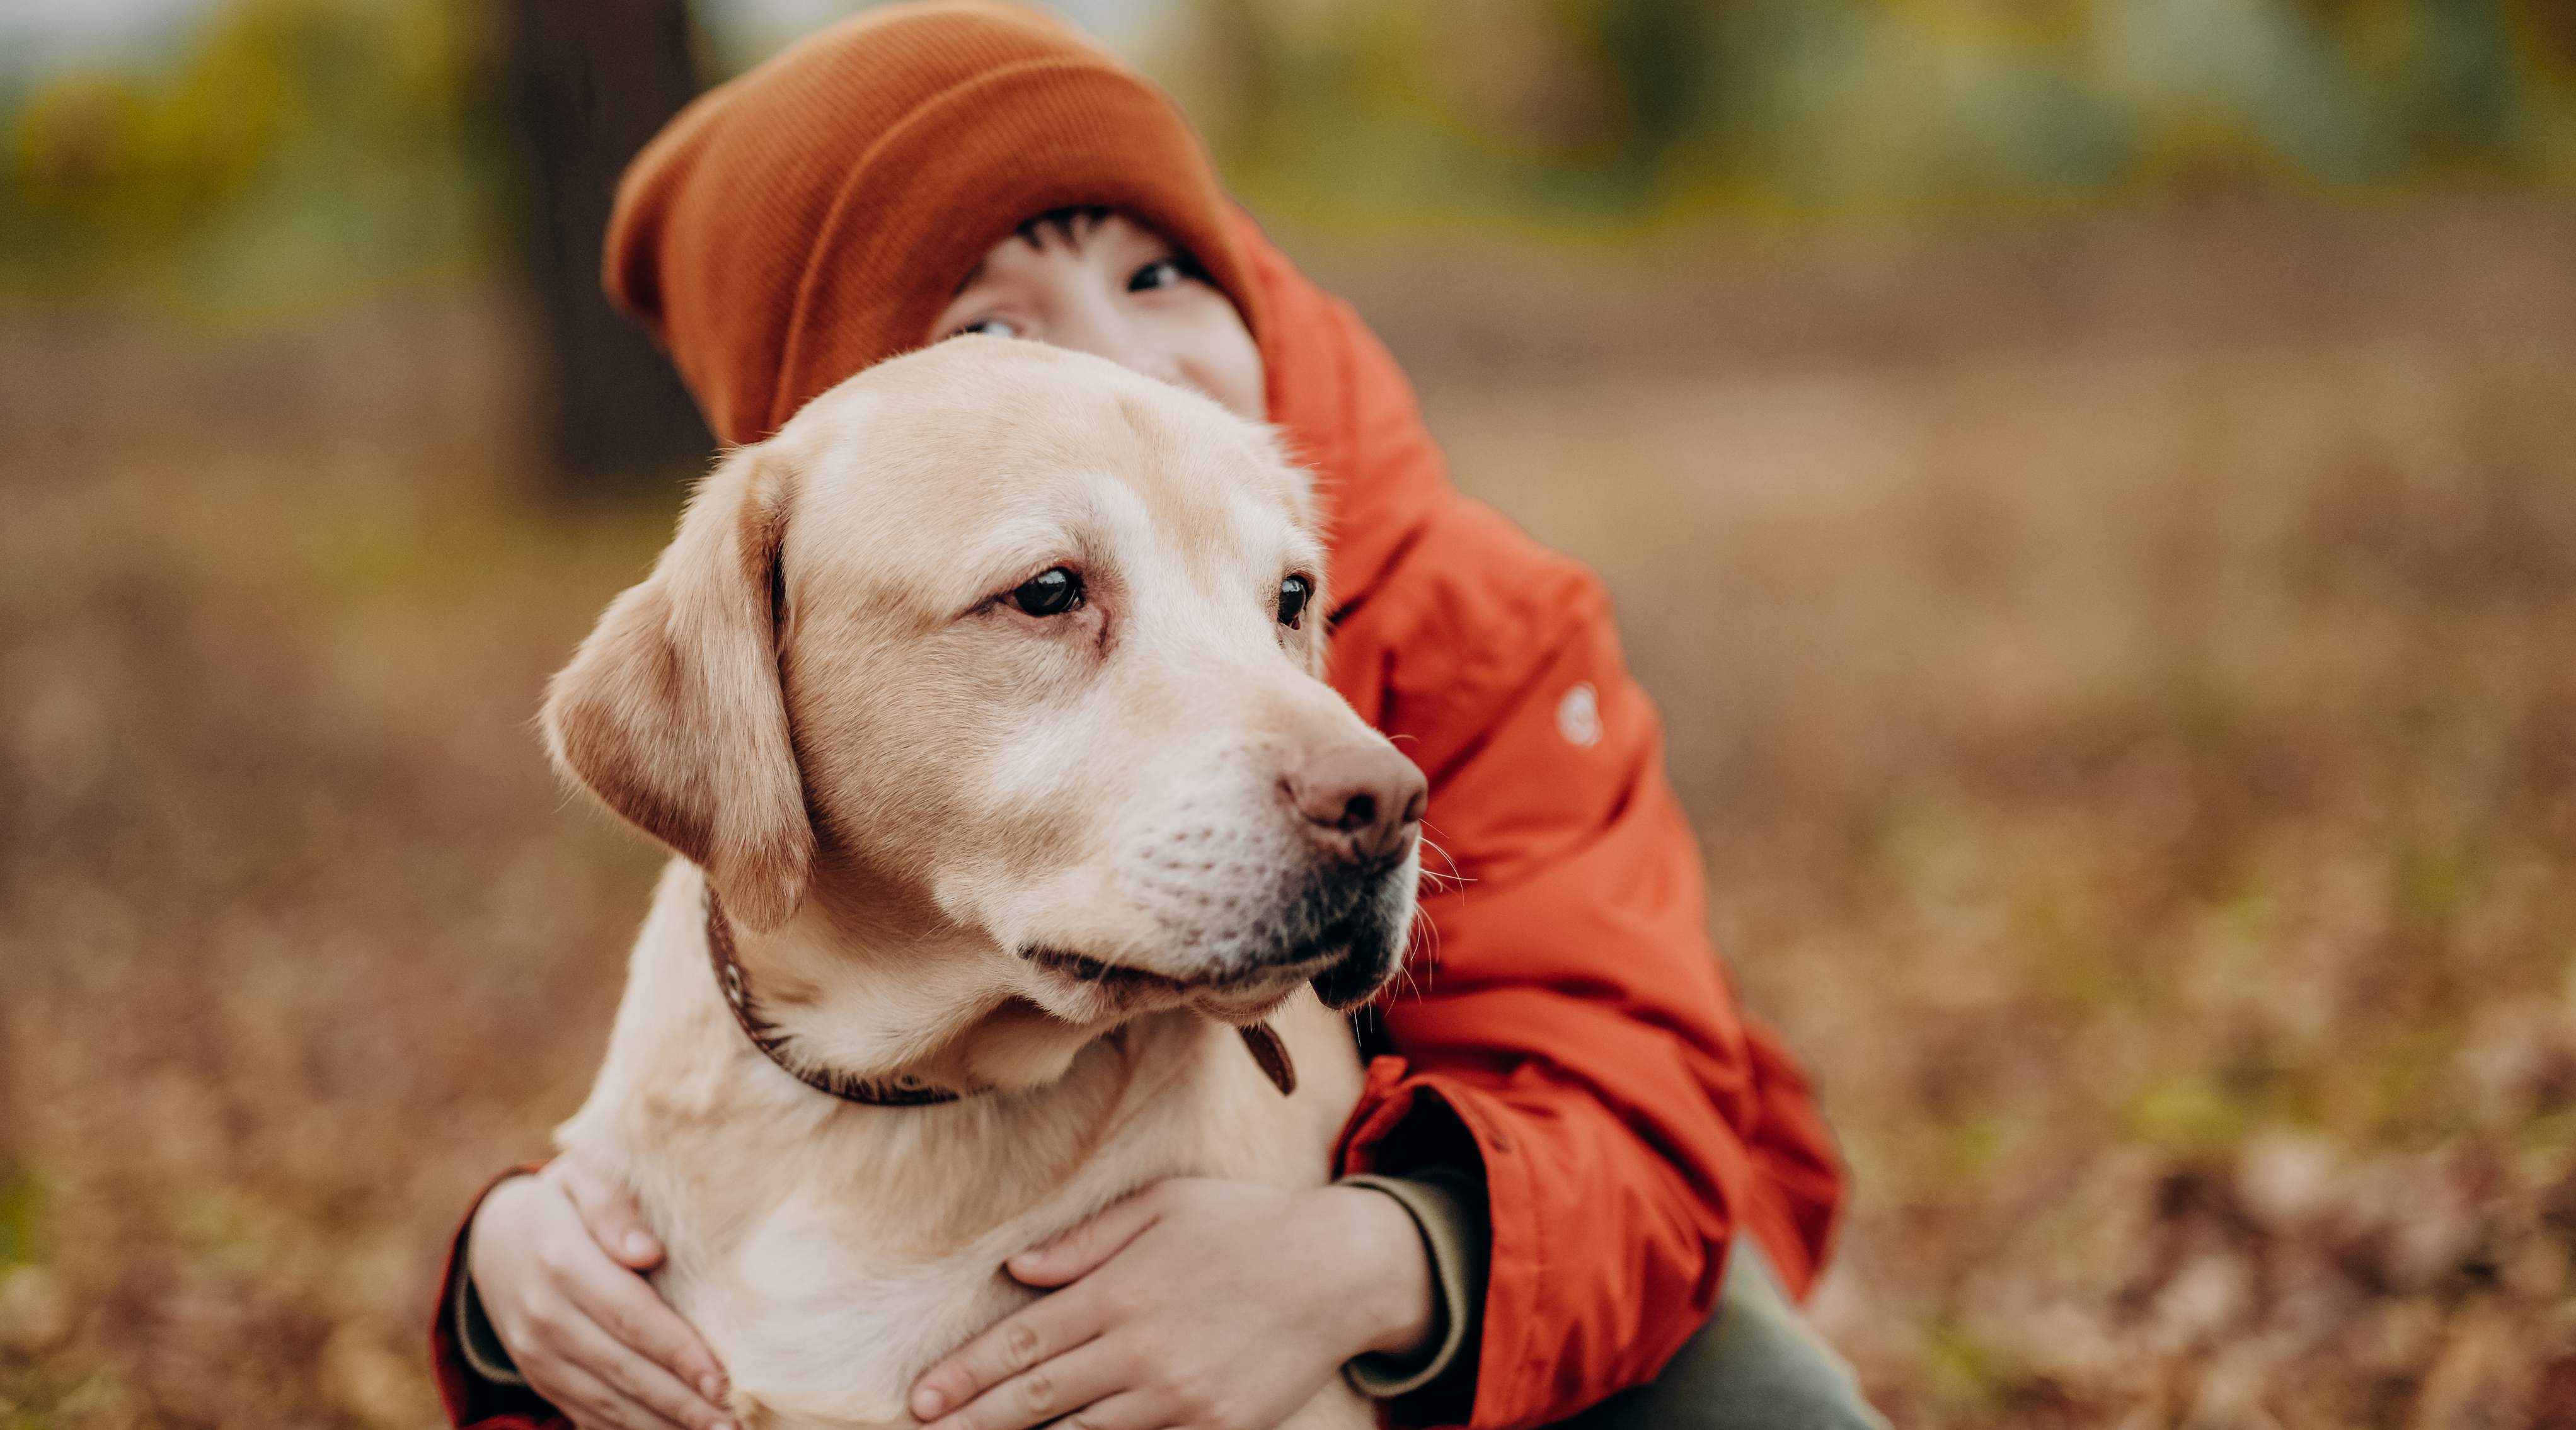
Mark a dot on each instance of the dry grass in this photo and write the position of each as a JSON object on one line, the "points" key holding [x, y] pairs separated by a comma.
{"points": [[2122, 672]]}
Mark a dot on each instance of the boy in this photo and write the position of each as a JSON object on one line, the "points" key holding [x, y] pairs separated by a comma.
{"points": [[1570, 1143]]}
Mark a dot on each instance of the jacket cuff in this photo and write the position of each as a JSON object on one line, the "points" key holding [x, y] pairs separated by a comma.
{"points": [[477, 1344], [474, 1398], [1443, 1203]]}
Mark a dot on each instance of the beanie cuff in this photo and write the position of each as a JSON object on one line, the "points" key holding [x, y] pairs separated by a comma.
{"points": [[966, 169]]}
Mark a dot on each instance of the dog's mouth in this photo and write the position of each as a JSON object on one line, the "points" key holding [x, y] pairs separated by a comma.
{"points": [[1341, 930], [1113, 977], [1296, 966]]}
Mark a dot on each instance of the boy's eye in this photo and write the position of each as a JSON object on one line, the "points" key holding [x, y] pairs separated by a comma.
{"points": [[1294, 593], [991, 327], [1161, 273], [1051, 592]]}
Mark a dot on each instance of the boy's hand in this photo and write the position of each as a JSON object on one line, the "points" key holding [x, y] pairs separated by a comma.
{"points": [[555, 1259], [1199, 1304]]}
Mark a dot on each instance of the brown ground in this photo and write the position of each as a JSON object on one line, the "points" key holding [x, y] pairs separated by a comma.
{"points": [[2121, 670]]}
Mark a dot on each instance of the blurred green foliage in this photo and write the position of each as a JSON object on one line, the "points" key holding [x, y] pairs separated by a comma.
{"points": [[294, 150], [17, 1218], [1584, 112], [289, 152]]}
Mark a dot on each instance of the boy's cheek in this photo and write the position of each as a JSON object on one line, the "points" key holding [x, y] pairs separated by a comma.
{"points": [[1230, 373]]}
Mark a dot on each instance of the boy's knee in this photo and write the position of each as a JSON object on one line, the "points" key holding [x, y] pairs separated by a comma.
{"points": [[1755, 1366], [1769, 1370], [1767, 1367]]}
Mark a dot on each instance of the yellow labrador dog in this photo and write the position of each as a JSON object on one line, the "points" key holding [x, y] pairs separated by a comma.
{"points": [[982, 706]]}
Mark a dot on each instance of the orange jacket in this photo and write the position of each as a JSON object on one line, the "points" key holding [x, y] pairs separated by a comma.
{"points": [[1571, 1011]]}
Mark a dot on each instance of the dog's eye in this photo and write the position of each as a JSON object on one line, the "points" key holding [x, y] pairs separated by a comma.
{"points": [[1051, 592], [1294, 593]]}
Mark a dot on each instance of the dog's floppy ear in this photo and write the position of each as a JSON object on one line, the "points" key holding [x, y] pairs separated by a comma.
{"points": [[671, 712]]}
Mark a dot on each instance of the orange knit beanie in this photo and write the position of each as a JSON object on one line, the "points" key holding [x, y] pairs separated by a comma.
{"points": [[813, 216]]}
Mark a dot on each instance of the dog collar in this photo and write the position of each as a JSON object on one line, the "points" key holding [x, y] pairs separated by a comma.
{"points": [[1269, 1051], [904, 1090]]}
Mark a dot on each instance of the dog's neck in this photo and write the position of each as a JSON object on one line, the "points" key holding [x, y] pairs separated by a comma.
{"points": [[881, 1014], [838, 1017], [725, 961]]}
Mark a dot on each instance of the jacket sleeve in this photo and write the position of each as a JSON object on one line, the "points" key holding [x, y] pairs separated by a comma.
{"points": [[476, 1398], [1569, 1011]]}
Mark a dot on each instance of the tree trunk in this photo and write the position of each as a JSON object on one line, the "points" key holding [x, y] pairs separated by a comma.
{"points": [[589, 82]]}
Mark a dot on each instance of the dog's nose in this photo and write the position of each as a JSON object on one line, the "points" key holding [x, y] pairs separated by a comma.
{"points": [[1360, 801]]}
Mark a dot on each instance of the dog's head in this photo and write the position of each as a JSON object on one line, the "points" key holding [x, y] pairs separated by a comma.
{"points": [[1030, 642]]}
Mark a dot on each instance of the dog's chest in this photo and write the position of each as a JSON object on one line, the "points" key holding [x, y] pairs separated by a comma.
{"points": [[828, 1286]]}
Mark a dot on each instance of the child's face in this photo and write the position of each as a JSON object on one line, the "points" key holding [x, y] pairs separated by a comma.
{"points": [[1107, 285]]}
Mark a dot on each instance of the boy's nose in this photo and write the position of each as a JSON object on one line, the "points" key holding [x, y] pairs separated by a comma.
{"points": [[1359, 802], [1095, 327]]}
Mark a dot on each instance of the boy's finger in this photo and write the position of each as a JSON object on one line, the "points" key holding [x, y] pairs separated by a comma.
{"points": [[634, 1386], [1127, 1410], [1028, 1337], [590, 1402], [1064, 1387], [633, 1312], [1077, 1253], [615, 1218]]}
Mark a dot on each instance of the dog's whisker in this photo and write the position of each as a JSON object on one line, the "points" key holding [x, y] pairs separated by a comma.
{"points": [[1439, 881]]}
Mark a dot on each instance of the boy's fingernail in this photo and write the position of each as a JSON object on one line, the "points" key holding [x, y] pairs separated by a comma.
{"points": [[638, 1244], [925, 1405], [713, 1388]]}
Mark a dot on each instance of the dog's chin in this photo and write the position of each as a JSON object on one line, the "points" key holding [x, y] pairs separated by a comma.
{"points": [[1087, 989], [1355, 980], [1243, 1004], [1347, 978], [1084, 989]]}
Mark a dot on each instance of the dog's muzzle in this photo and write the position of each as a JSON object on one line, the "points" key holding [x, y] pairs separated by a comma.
{"points": [[1360, 916]]}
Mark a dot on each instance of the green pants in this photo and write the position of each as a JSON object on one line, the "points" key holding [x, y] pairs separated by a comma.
{"points": [[1755, 1366]]}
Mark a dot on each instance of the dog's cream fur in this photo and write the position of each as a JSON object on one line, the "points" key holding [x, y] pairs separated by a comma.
{"points": [[900, 787]]}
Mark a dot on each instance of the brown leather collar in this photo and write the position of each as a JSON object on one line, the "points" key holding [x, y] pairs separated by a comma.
{"points": [[904, 1090], [1271, 1055]]}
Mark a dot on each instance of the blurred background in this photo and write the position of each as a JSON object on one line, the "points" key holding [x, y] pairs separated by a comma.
{"points": [[2091, 482]]}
